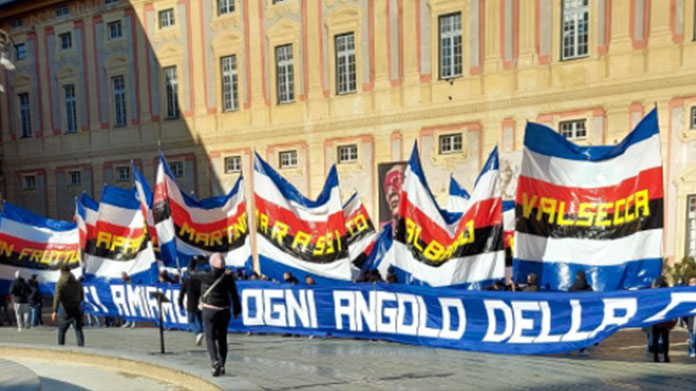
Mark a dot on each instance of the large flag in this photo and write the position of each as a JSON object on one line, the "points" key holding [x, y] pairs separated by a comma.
{"points": [[440, 248], [86, 210], [298, 235], [596, 209], [36, 245], [186, 226], [361, 231], [118, 242]]}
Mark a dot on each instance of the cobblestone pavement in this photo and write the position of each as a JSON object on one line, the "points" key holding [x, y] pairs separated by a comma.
{"points": [[297, 363]]}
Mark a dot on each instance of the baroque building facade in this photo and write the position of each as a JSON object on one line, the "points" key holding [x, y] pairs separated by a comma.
{"points": [[310, 83]]}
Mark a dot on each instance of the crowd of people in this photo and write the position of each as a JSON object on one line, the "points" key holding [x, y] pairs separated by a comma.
{"points": [[210, 298]]}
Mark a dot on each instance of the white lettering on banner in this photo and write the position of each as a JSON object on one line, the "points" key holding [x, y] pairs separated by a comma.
{"points": [[385, 312], [279, 308], [545, 335], [676, 298], [575, 321], [447, 304], [135, 300], [629, 306], [118, 293], [522, 323], [491, 307], [151, 302]]}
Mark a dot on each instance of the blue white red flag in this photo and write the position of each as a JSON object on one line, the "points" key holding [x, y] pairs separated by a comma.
{"points": [[361, 231], [296, 234], [596, 209], [439, 248]]}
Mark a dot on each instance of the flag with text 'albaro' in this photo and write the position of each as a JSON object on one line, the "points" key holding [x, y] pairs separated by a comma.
{"points": [[296, 234], [36, 245], [440, 248], [361, 232], [598, 209], [118, 242], [186, 226]]}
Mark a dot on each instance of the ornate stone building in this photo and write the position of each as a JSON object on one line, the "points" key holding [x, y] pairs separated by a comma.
{"points": [[310, 83]]}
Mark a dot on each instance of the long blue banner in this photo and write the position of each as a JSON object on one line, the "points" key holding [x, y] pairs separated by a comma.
{"points": [[498, 322]]}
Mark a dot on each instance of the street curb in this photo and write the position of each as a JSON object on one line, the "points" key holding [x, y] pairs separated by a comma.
{"points": [[151, 367]]}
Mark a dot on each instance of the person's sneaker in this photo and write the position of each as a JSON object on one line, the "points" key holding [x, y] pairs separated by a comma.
{"points": [[199, 339], [123, 326], [132, 325], [215, 370], [692, 355]]}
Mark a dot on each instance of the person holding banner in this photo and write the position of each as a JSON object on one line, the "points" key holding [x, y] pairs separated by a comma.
{"points": [[69, 294], [191, 288], [219, 294]]}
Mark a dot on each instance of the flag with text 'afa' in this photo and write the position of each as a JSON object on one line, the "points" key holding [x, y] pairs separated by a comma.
{"points": [[187, 226], [296, 234], [36, 245], [361, 232], [440, 248], [598, 209], [119, 241]]}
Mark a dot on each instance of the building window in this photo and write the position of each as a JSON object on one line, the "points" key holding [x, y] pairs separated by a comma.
{"points": [[691, 225], [170, 84], [228, 68], [573, 130], [75, 178], [65, 41], [25, 114], [70, 111], [119, 89], [29, 182], [225, 7], [122, 174], [61, 11], [347, 153], [285, 74], [17, 23], [450, 143], [345, 64], [287, 159], [166, 18], [110, 1], [450, 45], [692, 120], [115, 30], [177, 169], [575, 29], [20, 51], [233, 164]]}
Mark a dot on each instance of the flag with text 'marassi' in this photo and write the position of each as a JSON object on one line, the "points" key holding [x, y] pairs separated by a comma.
{"points": [[598, 209]]}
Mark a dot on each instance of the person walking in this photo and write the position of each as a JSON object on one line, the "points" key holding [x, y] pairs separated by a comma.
{"points": [[219, 294], [191, 289], [20, 297], [35, 300], [69, 295]]}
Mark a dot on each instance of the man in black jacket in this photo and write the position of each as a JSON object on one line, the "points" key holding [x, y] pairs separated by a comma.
{"points": [[69, 295], [20, 297], [191, 288], [219, 293]]}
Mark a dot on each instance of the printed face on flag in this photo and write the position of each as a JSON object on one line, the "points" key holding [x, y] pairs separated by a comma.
{"points": [[391, 179]]}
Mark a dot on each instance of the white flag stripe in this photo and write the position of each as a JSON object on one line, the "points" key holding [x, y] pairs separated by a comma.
{"points": [[121, 216], [473, 268], [266, 189], [336, 270], [640, 245], [638, 157], [200, 215], [36, 234]]}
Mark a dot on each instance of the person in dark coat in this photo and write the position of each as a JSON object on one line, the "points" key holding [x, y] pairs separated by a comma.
{"points": [[532, 284], [69, 295], [290, 279], [661, 330], [191, 289], [580, 283], [19, 289], [219, 295], [35, 300]]}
